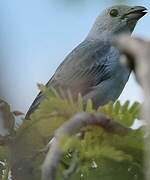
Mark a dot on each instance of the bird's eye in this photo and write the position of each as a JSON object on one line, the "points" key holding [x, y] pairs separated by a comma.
{"points": [[114, 12]]}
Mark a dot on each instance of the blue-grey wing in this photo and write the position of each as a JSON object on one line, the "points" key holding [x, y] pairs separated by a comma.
{"points": [[86, 66]]}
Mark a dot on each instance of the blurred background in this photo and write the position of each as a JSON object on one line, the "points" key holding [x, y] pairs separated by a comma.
{"points": [[35, 37]]}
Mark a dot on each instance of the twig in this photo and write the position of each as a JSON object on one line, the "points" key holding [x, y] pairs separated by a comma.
{"points": [[70, 128]]}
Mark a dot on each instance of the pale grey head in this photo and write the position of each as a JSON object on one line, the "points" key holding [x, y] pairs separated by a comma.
{"points": [[116, 20]]}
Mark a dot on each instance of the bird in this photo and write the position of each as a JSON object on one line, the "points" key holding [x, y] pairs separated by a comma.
{"points": [[93, 68]]}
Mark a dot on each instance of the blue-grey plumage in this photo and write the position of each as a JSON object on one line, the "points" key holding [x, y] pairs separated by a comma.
{"points": [[93, 68]]}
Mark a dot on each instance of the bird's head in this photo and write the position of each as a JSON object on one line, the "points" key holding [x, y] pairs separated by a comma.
{"points": [[117, 19]]}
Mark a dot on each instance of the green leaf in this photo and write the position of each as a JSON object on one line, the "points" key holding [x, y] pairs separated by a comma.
{"points": [[116, 156], [80, 103], [124, 114], [89, 106]]}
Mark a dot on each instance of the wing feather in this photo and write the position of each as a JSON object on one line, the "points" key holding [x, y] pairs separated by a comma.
{"points": [[85, 67]]}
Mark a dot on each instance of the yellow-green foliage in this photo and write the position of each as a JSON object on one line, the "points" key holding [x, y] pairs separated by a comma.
{"points": [[4, 157], [124, 114], [115, 156]]}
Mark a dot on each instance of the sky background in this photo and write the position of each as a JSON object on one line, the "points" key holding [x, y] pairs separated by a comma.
{"points": [[35, 37]]}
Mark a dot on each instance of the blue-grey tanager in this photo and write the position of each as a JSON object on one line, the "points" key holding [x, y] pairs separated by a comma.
{"points": [[93, 67]]}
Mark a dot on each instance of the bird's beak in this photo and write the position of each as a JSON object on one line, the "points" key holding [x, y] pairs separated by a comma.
{"points": [[135, 13]]}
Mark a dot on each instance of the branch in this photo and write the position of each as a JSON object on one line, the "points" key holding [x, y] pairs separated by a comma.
{"points": [[70, 128], [137, 52]]}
